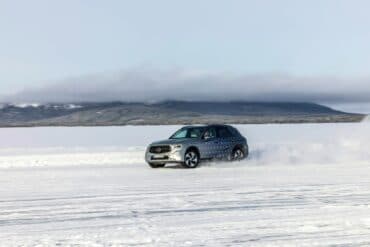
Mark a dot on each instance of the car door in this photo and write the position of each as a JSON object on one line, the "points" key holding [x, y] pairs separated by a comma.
{"points": [[208, 144], [224, 142]]}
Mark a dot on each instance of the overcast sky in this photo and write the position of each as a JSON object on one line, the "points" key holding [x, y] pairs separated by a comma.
{"points": [[281, 50]]}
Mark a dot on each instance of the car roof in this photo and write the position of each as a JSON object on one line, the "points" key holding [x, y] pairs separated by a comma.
{"points": [[207, 126]]}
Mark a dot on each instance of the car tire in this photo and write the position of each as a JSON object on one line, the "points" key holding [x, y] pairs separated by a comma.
{"points": [[237, 154], [152, 165], [191, 159]]}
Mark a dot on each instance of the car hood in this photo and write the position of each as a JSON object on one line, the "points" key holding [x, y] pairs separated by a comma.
{"points": [[174, 141]]}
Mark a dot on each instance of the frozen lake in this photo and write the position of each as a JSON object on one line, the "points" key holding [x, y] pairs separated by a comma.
{"points": [[303, 185]]}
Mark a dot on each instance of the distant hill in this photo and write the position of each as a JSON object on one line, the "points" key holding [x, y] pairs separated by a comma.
{"points": [[169, 112]]}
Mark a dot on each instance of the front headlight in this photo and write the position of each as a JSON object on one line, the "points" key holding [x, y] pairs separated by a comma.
{"points": [[176, 147]]}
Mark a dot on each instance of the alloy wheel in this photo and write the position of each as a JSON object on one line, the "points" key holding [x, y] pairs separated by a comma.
{"points": [[238, 154], [191, 159]]}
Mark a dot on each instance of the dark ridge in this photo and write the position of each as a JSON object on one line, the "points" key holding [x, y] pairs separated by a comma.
{"points": [[170, 112]]}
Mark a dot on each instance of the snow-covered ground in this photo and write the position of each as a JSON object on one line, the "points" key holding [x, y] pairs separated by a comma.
{"points": [[303, 185]]}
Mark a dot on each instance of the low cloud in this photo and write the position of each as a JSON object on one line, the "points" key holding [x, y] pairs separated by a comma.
{"points": [[143, 85]]}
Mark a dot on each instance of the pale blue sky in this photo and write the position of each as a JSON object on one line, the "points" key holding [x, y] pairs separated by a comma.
{"points": [[44, 40]]}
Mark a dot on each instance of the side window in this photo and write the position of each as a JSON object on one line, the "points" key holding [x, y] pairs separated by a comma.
{"points": [[210, 133], [195, 133], [223, 132]]}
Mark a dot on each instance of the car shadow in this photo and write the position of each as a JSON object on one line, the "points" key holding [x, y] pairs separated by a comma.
{"points": [[206, 163], [173, 166]]}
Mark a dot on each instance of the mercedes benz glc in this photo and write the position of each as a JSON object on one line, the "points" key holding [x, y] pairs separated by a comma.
{"points": [[191, 144]]}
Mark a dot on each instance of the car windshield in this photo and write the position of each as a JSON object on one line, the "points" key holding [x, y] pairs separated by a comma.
{"points": [[192, 132]]}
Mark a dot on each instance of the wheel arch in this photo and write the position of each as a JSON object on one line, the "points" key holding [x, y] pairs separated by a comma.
{"points": [[195, 148], [237, 146]]}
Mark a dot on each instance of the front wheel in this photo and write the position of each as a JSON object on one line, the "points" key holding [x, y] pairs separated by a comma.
{"points": [[191, 159], [152, 165]]}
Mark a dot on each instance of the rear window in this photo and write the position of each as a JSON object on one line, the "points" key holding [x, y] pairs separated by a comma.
{"points": [[234, 131], [224, 132]]}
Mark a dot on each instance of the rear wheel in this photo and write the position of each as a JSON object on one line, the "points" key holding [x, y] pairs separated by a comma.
{"points": [[237, 154], [191, 159], [153, 165]]}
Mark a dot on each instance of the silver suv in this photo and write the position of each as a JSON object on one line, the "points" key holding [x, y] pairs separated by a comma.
{"points": [[191, 144]]}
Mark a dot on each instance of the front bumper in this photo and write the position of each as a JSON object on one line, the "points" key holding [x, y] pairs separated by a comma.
{"points": [[174, 156]]}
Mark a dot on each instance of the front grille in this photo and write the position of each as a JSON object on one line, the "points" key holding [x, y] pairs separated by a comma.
{"points": [[160, 149]]}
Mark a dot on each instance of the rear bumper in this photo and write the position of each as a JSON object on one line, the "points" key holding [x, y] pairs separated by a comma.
{"points": [[246, 150]]}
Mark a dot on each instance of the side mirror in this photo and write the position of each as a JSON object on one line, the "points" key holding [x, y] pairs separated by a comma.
{"points": [[206, 137]]}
